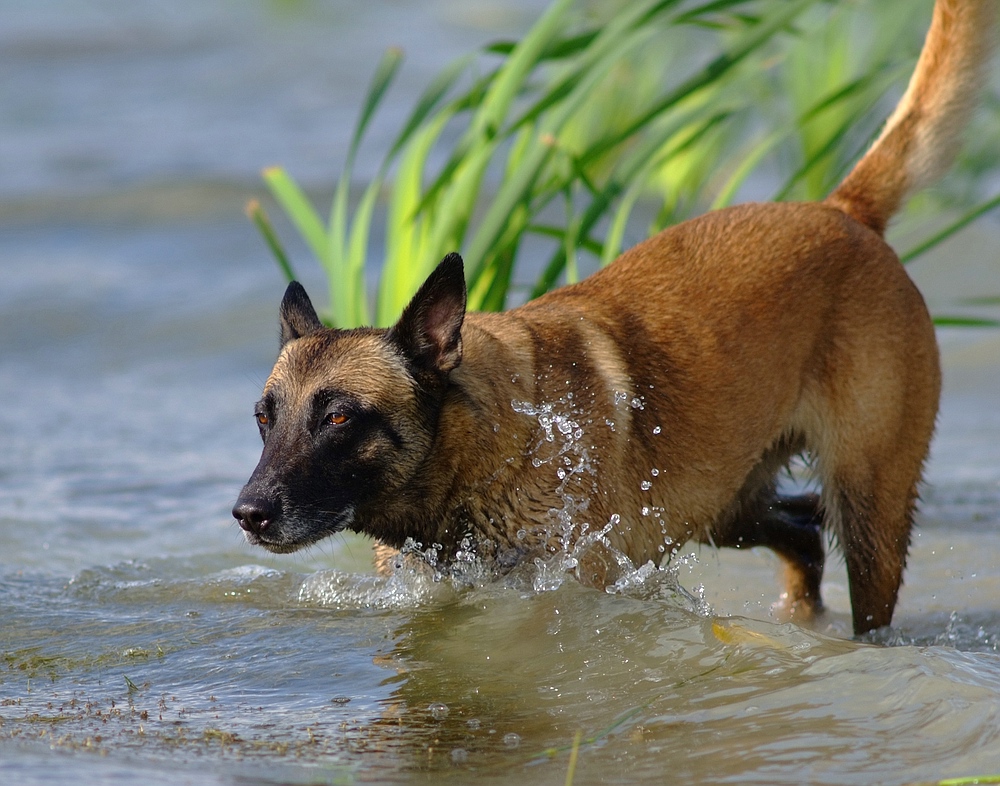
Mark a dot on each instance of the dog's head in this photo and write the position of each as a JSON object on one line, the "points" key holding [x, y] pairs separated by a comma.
{"points": [[348, 417]]}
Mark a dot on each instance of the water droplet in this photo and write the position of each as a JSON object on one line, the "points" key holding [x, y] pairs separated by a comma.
{"points": [[438, 710], [661, 548], [522, 534], [645, 510], [645, 485], [511, 740], [656, 430], [459, 755], [473, 723], [654, 472], [637, 403]]}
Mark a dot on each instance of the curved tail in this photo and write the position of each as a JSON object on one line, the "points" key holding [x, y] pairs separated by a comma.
{"points": [[922, 136]]}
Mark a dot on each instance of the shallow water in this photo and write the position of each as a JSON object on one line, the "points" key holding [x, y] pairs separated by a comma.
{"points": [[142, 640]]}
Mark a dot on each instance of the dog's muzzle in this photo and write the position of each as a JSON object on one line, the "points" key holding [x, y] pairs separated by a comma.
{"points": [[256, 514]]}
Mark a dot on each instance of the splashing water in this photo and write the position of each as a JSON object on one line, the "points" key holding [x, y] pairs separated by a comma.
{"points": [[417, 574], [560, 426], [571, 458]]}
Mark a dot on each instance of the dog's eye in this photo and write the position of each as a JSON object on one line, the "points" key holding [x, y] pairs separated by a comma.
{"points": [[262, 419], [335, 419]]}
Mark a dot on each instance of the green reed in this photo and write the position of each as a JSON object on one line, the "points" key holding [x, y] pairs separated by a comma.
{"points": [[572, 132]]}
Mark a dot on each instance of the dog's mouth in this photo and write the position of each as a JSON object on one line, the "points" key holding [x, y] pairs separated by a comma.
{"points": [[291, 533]]}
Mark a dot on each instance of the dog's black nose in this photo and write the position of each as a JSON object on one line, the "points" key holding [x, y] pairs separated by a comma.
{"points": [[255, 514]]}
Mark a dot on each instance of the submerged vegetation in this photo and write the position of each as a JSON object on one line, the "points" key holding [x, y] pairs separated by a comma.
{"points": [[604, 123]]}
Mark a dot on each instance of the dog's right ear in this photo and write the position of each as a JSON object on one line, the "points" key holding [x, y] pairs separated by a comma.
{"points": [[298, 317]]}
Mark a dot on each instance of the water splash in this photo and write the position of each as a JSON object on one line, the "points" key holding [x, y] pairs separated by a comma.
{"points": [[662, 583], [561, 444], [577, 540], [968, 632], [417, 575], [438, 710], [337, 589]]}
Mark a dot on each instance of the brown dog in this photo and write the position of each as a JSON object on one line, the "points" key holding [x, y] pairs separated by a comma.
{"points": [[655, 400]]}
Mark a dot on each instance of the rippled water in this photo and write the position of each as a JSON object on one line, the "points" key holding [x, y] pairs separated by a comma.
{"points": [[142, 641]]}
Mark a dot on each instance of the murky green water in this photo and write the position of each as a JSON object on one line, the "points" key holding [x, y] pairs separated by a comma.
{"points": [[142, 641]]}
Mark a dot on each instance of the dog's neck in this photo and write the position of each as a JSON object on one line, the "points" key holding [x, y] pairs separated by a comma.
{"points": [[468, 485]]}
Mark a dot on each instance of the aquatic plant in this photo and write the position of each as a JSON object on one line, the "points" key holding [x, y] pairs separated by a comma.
{"points": [[601, 125]]}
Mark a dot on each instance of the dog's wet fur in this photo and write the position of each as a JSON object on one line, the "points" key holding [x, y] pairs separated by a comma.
{"points": [[714, 353]]}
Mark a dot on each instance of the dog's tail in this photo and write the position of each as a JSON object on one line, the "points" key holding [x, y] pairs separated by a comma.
{"points": [[922, 136]]}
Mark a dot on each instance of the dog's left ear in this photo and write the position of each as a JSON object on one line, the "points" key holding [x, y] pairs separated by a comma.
{"points": [[298, 317], [430, 329]]}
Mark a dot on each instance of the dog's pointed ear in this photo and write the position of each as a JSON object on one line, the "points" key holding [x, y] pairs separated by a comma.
{"points": [[298, 317], [430, 329]]}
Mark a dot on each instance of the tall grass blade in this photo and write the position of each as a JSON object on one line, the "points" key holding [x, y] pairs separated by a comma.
{"points": [[634, 171], [385, 72], [573, 755], [704, 79], [429, 100], [357, 255], [747, 167], [947, 321], [345, 303], [939, 237], [298, 208], [613, 38], [407, 233], [510, 80], [258, 216], [714, 71]]}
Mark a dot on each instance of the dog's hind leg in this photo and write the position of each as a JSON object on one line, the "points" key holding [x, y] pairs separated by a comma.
{"points": [[870, 505], [871, 515], [792, 527], [879, 417]]}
